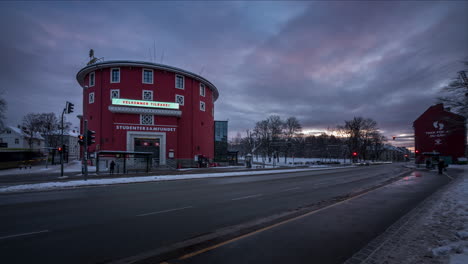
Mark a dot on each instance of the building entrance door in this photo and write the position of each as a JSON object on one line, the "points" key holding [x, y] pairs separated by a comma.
{"points": [[149, 145]]}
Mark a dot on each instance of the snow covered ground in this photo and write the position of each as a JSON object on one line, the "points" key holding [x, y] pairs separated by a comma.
{"points": [[94, 182], [437, 234], [73, 166], [292, 162]]}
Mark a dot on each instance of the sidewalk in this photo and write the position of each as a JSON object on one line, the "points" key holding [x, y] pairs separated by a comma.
{"points": [[436, 232]]}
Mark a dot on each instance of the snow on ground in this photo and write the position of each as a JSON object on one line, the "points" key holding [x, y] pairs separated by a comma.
{"points": [[297, 161], [439, 234], [73, 166], [93, 182]]}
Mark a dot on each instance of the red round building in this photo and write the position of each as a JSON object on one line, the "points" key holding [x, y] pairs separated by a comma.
{"points": [[148, 107]]}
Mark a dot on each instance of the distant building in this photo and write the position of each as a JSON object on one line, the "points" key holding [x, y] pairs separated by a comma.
{"points": [[221, 141], [439, 132], [70, 140], [15, 138]]}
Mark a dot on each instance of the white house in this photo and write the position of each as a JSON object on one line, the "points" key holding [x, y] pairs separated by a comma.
{"points": [[14, 138]]}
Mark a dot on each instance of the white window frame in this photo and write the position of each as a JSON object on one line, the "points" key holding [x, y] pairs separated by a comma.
{"points": [[143, 95], [91, 98], [143, 76], [202, 89], [204, 106], [183, 81], [91, 84], [114, 90], [141, 119], [111, 70], [183, 99]]}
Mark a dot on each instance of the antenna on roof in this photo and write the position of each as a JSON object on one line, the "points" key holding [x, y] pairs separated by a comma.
{"points": [[92, 59], [162, 57], [202, 68], [154, 51]]}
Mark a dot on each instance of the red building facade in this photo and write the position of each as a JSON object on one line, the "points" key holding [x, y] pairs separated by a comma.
{"points": [[440, 131], [147, 107]]}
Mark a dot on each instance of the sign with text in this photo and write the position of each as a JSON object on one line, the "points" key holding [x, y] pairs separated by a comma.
{"points": [[145, 128], [141, 103]]}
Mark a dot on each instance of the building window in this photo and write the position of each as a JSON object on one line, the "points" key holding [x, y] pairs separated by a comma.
{"points": [[8, 131], [147, 95], [202, 106], [16, 141], [147, 76], [179, 82], [146, 119], [91, 98], [115, 93], [115, 75], [202, 89], [179, 99], [91, 79]]}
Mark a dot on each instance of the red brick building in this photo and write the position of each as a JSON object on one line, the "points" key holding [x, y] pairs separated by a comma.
{"points": [[149, 107], [440, 131]]}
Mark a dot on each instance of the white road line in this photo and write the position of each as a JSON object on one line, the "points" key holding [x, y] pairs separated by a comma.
{"points": [[24, 234], [247, 197], [165, 211], [290, 189]]}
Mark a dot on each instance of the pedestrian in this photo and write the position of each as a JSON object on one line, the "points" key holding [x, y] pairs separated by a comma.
{"points": [[441, 165], [112, 166]]}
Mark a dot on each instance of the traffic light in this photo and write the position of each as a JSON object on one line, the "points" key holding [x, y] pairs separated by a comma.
{"points": [[60, 149], [81, 140], [416, 151], [354, 154], [69, 107], [90, 137]]}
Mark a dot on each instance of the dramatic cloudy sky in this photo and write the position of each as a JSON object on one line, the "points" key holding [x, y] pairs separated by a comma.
{"points": [[323, 62]]}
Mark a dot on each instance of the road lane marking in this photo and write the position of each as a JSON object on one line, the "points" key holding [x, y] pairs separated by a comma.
{"points": [[290, 189], [165, 211], [189, 255], [24, 234], [246, 197]]}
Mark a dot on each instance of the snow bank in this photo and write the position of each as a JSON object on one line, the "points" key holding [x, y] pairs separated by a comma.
{"points": [[93, 182]]}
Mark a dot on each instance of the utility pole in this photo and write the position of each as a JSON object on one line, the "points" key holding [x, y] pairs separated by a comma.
{"points": [[85, 154], [68, 109], [61, 142]]}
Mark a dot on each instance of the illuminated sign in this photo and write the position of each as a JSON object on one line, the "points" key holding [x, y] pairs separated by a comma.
{"points": [[141, 103]]}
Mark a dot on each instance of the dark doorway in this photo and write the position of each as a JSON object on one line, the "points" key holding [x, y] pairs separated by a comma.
{"points": [[149, 145]]}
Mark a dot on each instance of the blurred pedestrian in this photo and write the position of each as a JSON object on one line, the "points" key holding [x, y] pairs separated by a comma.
{"points": [[441, 165], [112, 166]]}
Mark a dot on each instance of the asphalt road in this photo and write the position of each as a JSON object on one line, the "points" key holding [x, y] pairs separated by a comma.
{"points": [[100, 224], [328, 236]]}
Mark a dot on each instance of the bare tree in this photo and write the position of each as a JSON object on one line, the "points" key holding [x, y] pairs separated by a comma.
{"points": [[3, 108], [457, 94], [291, 128], [362, 134], [31, 127]]}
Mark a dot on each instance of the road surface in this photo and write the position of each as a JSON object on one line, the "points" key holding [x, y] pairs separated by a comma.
{"points": [[102, 224]]}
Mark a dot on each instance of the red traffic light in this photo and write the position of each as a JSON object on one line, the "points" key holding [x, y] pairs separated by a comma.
{"points": [[59, 149], [80, 137], [416, 151], [354, 154], [406, 155]]}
